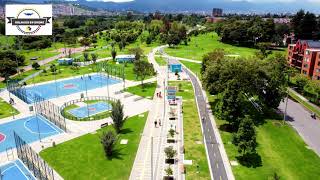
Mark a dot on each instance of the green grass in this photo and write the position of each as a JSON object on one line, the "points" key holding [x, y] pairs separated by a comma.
{"points": [[19, 77], [282, 151], [192, 133], [204, 44], [161, 61], [83, 158], [305, 104], [6, 110], [147, 91]]}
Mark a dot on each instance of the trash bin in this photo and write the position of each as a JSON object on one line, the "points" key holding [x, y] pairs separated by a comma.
{"points": [[82, 95], [30, 108]]}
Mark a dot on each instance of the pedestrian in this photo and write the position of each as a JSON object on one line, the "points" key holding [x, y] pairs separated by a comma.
{"points": [[157, 94], [159, 122], [89, 77], [81, 78], [155, 123]]}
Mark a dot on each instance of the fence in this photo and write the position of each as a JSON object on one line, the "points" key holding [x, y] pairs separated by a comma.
{"points": [[92, 98], [18, 90], [32, 160], [50, 111], [112, 70]]}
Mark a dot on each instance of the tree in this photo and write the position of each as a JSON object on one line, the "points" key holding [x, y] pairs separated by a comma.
{"points": [[7, 68], [35, 66], [170, 152], [138, 52], [142, 69], [245, 138], [113, 54], [94, 57], [53, 68], [108, 140], [86, 57], [117, 115], [85, 42]]}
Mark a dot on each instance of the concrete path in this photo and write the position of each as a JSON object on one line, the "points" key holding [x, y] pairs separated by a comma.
{"points": [[300, 119]]}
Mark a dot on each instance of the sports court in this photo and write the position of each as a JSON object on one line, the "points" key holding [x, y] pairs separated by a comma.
{"points": [[70, 86], [15, 170], [29, 128], [92, 109]]}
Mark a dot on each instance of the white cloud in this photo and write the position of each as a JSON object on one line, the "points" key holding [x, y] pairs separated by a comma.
{"points": [[116, 1], [275, 1]]}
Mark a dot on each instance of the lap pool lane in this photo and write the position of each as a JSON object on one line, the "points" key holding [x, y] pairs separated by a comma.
{"points": [[28, 129]]}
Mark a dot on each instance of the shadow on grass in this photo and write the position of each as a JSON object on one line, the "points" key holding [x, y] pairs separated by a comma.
{"points": [[126, 131], [116, 154], [227, 128], [250, 160]]}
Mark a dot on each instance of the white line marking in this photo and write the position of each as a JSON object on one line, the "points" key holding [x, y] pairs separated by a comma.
{"points": [[33, 132]]}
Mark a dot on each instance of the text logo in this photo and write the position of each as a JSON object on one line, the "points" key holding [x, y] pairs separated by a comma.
{"points": [[29, 19]]}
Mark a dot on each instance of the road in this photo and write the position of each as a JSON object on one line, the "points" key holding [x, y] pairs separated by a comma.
{"points": [[215, 157], [299, 118]]}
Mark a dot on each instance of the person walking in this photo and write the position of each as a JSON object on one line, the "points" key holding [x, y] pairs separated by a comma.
{"points": [[159, 122], [155, 123]]}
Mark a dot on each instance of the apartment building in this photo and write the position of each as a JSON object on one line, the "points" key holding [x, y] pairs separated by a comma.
{"points": [[304, 55]]}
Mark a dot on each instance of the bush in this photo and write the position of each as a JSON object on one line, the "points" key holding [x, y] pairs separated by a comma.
{"points": [[170, 152]]}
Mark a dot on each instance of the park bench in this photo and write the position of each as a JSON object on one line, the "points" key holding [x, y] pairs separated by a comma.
{"points": [[104, 125]]}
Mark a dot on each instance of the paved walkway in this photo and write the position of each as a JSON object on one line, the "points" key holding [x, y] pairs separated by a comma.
{"points": [[150, 159]]}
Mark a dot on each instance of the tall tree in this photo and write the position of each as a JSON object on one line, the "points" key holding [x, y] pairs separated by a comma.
{"points": [[138, 52], [108, 140], [94, 57], [113, 54], [117, 115], [245, 138]]}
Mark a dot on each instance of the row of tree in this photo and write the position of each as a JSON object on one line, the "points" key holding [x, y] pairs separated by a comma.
{"points": [[9, 61], [235, 30], [246, 88]]}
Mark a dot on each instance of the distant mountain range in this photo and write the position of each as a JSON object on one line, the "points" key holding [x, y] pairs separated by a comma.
{"points": [[236, 6]]}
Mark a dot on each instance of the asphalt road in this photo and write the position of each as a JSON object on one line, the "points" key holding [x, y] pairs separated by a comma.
{"points": [[216, 162], [300, 119]]}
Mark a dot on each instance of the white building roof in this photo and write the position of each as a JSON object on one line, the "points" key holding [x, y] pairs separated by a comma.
{"points": [[131, 56]]}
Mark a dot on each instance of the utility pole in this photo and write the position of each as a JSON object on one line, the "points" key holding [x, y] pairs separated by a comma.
{"points": [[151, 158]]}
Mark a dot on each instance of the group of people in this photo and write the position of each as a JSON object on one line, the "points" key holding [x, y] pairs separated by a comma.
{"points": [[159, 94], [156, 123]]}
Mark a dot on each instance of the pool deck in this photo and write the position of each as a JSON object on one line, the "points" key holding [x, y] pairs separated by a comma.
{"points": [[132, 107]]}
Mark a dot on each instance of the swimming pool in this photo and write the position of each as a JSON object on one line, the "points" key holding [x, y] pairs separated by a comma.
{"points": [[28, 129], [70, 86], [92, 109], [15, 170]]}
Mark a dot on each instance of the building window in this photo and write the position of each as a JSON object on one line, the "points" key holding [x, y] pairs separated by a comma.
{"points": [[304, 72], [305, 65], [318, 70], [307, 52], [306, 59], [318, 78]]}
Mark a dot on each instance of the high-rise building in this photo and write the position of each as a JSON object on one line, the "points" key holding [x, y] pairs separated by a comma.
{"points": [[217, 12]]}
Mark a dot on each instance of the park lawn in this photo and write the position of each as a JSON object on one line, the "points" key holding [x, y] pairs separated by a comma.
{"points": [[6, 110], [305, 104], [161, 61], [205, 43], [65, 72], [282, 151], [20, 76], [192, 133], [194, 67], [147, 91], [83, 158]]}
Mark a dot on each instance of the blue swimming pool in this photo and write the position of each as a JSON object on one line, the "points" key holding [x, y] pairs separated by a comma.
{"points": [[70, 86], [15, 170], [92, 109], [28, 129]]}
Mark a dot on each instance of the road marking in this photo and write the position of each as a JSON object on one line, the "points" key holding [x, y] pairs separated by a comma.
{"points": [[217, 165]]}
